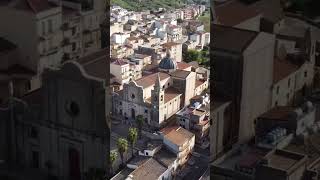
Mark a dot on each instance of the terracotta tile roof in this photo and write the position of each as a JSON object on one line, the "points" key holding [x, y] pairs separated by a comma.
{"points": [[234, 13], [169, 44], [132, 38], [34, 97], [278, 113], [199, 83], [165, 156], [282, 69], [150, 80], [17, 69], [271, 9], [6, 45], [170, 93], [40, 5], [183, 65], [240, 38], [177, 135], [151, 169], [120, 62], [95, 64], [180, 73]]}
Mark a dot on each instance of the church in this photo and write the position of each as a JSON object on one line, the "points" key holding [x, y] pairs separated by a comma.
{"points": [[159, 95]]}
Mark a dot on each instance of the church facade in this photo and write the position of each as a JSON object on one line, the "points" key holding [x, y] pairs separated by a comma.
{"points": [[61, 128], [157, 96]]}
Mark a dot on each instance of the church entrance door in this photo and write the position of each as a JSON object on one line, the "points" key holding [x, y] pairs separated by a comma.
{"points": [[74, 164]]}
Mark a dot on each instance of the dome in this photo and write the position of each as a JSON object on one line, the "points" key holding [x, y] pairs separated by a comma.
{"points": [[167, 63]]}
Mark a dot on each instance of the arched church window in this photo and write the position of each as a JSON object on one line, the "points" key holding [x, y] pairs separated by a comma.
{"points": [[72, 108], [133, 96]]}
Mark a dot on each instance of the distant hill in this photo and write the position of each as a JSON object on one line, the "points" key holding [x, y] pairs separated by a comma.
{"points": [[136, 5]]}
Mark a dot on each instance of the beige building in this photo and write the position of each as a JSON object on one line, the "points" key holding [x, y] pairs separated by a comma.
{"points": [[175, 50], [218, 128], [41, 38], [157, 96], [180, 141], [254, 90]]}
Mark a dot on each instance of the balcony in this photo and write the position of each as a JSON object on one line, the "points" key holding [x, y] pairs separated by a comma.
{"points": [[89, 44], [65, 26], [50, 51], [65, 42]]}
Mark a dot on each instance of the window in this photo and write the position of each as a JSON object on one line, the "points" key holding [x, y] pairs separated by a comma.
{"points": [[28, 85], [146, 111], [73, 46], [161, 97], [288, 96], [35, 159], [305, 74], [276, 103], [72, 108], [43, 28], [120, 111], [278, 89], [163, 87], [50, 25], [168, 84], [120, 103], [289, 81], [133, 96], [147, 153], [34, 133], [74, 31]]}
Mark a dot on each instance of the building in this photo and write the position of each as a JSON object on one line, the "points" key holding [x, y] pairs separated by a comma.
{"points": [[121, 70], [195, 118], [179, 141], [13, 72], [40, 43], [293, 120], [158, 171], [281, 164], [218, 129], [249, 94], [59, 134], [157, 96], [238, 14], [175, 50]]}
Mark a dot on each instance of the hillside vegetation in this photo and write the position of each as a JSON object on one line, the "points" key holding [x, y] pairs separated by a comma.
{"points": [[136, 5]]}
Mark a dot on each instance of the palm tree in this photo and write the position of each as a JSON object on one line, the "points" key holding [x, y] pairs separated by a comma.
{"points": [[132, 137], [139, 121], [122, 145], [113, 156]]}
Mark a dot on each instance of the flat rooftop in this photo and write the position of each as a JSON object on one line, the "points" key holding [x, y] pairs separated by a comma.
{"points": [[284, 160]]}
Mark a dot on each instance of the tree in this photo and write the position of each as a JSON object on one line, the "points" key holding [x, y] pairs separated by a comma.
{"points": [[113, 156], [132, 137], [139, 121], [122, 145], [191, 55]]}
